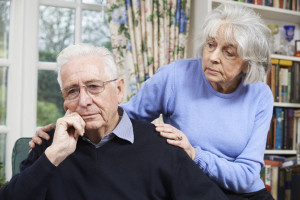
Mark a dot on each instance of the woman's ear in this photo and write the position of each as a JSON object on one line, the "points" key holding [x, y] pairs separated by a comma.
{"points": [[245, 68]]}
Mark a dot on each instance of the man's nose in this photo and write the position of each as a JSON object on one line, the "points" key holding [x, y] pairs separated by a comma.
{"points": [[84, 96]]}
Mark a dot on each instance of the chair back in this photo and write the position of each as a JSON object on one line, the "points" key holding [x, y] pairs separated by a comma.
{"points": [[20, 153]]}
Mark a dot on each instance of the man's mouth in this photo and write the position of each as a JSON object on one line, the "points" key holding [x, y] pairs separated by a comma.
{"points": [[88, 116]]}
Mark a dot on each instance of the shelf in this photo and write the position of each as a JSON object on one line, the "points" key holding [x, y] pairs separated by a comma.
{"points": [[287, 105], [282, 57], [281, 152], [267, 12]]}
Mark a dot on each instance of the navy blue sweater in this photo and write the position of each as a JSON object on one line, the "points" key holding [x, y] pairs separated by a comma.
{"points": [[147, 169]]}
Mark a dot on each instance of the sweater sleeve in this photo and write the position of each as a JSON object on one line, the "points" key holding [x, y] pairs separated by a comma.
{"points": [[237, 175], [32, 182], [152, 99]]}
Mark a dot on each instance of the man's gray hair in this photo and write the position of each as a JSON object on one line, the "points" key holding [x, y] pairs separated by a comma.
{"points": [[79, 50], [245, 28]]}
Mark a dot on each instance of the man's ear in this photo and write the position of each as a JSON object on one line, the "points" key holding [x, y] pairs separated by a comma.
{"points": [[120, 90]]}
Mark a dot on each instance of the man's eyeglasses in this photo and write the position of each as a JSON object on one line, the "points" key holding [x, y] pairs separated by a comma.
{"points": [[92, 88]]}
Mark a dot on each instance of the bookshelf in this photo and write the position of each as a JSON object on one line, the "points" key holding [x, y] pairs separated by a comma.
{"points": [[270, 15]]}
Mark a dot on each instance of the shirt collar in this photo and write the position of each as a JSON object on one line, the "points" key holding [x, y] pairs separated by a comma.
{"points": [[124, 129]]}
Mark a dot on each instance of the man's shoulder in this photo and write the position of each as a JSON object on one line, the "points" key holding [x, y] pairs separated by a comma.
{"points": [[141, 126], [146, 135]]}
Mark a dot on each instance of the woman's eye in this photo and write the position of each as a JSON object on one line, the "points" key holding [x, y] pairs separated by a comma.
{"points": [[229, 53]]}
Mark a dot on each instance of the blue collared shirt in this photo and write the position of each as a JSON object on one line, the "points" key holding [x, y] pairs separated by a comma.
{"points": [[123, 130]]}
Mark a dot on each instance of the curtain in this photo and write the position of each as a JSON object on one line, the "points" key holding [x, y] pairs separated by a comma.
{"points": [[145, 35]]}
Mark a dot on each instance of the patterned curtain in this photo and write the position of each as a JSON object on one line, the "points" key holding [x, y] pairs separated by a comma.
{"points": [[147, 34]]}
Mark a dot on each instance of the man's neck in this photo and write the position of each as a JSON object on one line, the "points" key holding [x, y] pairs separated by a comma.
{"points": [[96, 135]]}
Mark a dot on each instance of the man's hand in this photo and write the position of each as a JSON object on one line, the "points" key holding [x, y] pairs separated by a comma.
{"points": [[41, 133], [67, 131]]}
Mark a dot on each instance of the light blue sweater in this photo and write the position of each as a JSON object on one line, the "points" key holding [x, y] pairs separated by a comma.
{"points": [[229, 131]]}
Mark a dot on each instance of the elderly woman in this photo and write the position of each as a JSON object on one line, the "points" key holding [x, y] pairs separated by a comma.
{"points": [[216, 107], [218, 102]]}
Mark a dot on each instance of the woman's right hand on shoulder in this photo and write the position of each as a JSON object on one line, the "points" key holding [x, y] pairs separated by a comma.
{"points": [[41, 133]]}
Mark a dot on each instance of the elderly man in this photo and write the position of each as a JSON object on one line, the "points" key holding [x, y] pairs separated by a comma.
{"points": [[97, 152]]}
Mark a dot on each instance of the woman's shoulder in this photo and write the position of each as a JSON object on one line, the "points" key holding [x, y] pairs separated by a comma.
{"points": [[182, 64], [262, 90]]}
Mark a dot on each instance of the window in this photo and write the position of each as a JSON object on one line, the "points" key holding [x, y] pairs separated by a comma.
{"points": [[4, 43], [58, 28]]}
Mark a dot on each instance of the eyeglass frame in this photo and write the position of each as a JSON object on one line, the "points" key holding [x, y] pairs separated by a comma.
{"points": [[65, 96]]}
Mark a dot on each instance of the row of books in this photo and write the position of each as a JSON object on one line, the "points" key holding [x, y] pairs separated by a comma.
{"points": [[284, 132], [282, 182], [284, 81], [284, 4]]}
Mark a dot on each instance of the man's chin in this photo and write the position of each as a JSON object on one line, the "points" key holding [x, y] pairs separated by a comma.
{"points": [[92, 125]]}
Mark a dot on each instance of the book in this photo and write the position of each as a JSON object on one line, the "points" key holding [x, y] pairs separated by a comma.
{"points": [[288, 182], [296, 83], [273, 76], [273, 163], [268, 177], [257, 2], [281, 184], [290, 129], [278, 114], [292, 161], [275, 158], [269, 3], [295, 185], [276, 3], [274, 181]]}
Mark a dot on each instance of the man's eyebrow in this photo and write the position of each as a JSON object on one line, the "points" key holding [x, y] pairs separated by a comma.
{"points": [[70, 86], [93, 80]]}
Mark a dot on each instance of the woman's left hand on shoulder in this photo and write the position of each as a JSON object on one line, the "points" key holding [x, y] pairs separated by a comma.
{"points": [[176, 137]]}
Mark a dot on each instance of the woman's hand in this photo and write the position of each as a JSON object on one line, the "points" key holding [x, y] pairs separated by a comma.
{"points": [[41, 133], [176, 137]]}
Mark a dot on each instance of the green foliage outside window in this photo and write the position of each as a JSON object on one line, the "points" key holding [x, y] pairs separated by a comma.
{"points": [[2, 104], [47, 113], [50, 101], [47, 56], [2, 177]]}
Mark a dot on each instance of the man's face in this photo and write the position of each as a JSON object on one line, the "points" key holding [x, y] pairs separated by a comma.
{"points": [[99, 111]]}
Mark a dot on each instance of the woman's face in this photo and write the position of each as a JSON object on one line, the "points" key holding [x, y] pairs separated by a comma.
{"points": [[221, 63]]}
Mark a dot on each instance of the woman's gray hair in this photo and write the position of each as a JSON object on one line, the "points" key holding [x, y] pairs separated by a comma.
{"points": [[79, 50], [244, 27]]}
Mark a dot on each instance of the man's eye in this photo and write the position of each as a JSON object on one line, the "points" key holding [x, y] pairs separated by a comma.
{"points": [[72, 91], [93, 86]]}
